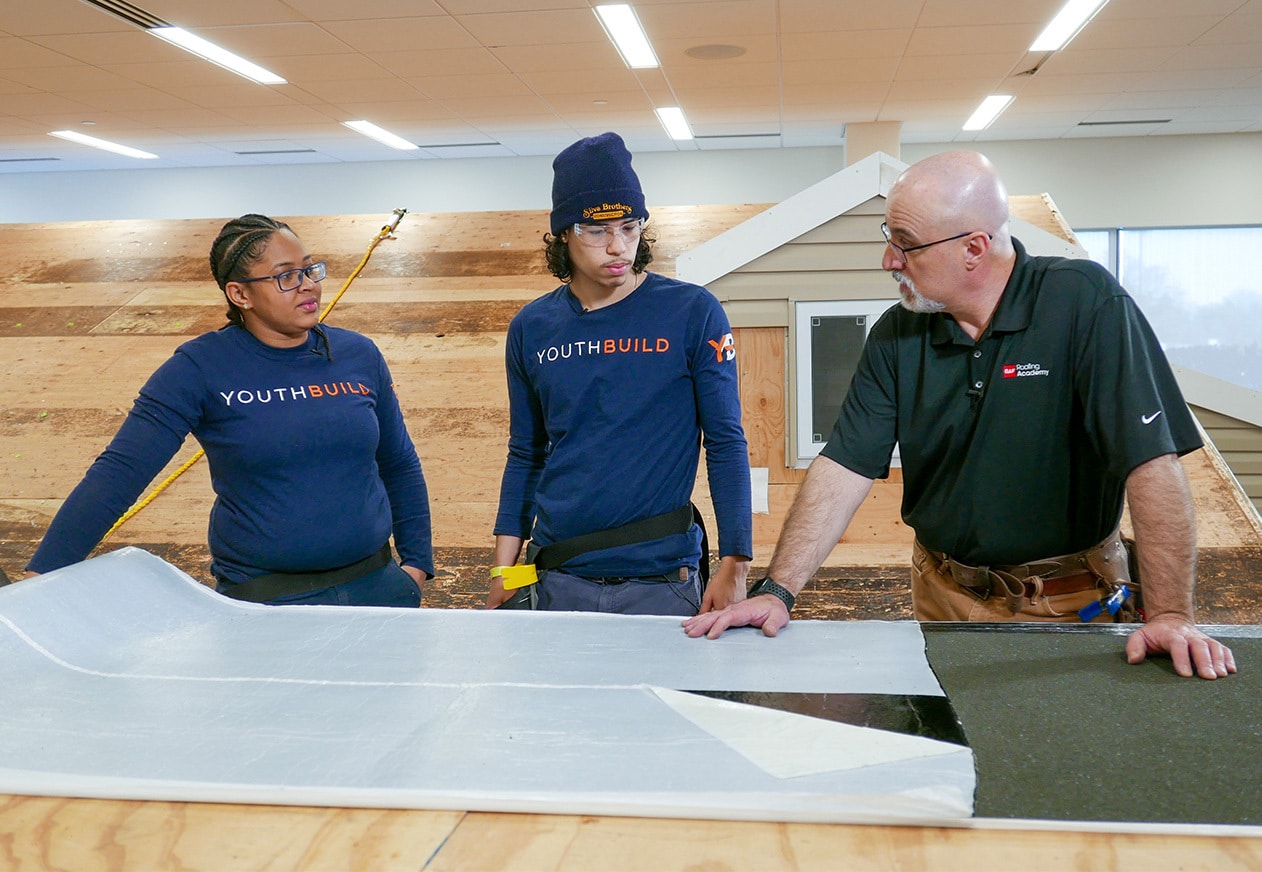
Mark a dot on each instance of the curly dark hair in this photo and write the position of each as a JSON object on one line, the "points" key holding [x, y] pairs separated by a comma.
{"points": [[238, 247], [556, 251]]}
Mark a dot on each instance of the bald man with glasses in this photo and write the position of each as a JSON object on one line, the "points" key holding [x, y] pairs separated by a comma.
{"points": [[1028, 397]]}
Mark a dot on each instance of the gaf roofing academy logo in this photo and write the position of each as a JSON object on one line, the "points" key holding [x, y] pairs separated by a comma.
{"points": [[1021, 370]]}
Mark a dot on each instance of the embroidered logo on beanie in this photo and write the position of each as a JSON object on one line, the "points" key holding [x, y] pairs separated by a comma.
{"points": [[593, 181]]}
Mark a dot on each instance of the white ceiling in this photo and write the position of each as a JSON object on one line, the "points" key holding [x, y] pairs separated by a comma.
{"points": [[476, 78]]}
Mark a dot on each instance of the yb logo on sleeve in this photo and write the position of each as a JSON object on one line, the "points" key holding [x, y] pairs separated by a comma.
{"points": [[725, 348]]}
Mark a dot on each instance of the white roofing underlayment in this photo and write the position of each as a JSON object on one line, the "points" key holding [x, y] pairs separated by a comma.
{"points": [[122, 677]]}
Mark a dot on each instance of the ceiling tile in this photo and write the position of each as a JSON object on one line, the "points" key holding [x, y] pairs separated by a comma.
{"points": [[699, 21], [262, 43], [21, 54], [840, 70], [401, 34], [1122, 33], [567, 82], [578, 59], [198, 16], [416, 114], [945, 13], [1235, 30], [340, 10], [1148, 10], [701, 77], [70, 80], [980, 39], [537, 71], [1073, 62], [1215, 57], [547, 27], [613, 101], [479, 7], [457, 87], [757, 48], [379, 89], [326, 67], [994, 67], [491, 107], [828, 44], [35, 18], [473, 61], [810, 16], [127, 46]]}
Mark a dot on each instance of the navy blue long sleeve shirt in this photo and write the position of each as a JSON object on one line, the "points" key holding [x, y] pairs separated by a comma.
{"points": [[309, 458], [609, 409]]}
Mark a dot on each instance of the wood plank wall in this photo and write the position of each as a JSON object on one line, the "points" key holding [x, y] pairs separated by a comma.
{"points": [[89, 309]]}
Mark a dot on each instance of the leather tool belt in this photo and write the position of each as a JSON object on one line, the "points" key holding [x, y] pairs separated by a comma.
{"points": [[1106, 564]]}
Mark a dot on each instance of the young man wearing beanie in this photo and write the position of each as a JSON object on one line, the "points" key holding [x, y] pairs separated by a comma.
{"points": [[614, 379]]}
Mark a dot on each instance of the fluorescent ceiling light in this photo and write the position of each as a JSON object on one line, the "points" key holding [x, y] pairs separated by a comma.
{"points": [[624, 29], [676, 124], [216, 55], [102, 144], [990, 109], [1066, 24], [383, 136]]}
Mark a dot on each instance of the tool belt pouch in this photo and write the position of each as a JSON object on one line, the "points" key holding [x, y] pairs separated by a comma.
{"points": [[1113, 562]]}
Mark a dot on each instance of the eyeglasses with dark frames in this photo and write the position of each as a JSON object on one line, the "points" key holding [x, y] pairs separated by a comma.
{"points": [[291, 279], [903, 252]]}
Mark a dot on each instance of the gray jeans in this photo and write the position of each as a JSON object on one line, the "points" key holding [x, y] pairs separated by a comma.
{"points": [[559, 591]]}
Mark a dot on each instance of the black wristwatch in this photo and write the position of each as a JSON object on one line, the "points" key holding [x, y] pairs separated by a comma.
{"points": [[766, 585]]}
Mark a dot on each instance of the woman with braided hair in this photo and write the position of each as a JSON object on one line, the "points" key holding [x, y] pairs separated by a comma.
{"points": [[312, 466]]}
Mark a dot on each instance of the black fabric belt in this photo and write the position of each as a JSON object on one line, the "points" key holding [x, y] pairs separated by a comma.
{"points": [[616, 579], [670, 523], [264, 588]]}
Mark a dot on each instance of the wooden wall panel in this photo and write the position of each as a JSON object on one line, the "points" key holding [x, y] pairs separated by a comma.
{"points": [[88, 310]]}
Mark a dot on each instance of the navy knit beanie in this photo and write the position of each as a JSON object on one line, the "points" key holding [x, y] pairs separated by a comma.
{"points": [[593, 181]]}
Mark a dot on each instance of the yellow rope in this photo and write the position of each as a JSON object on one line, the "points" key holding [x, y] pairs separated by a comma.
{"points": [[384, 233]]}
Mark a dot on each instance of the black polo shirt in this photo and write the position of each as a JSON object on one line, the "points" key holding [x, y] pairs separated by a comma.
{"points": [[1016, 447]]}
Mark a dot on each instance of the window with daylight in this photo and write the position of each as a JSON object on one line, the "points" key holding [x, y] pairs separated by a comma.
{"points": [[1204, 303], [828, 337], [1100, 247]]}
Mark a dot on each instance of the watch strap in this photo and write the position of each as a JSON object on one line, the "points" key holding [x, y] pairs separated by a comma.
{"points": [[766, 585]]}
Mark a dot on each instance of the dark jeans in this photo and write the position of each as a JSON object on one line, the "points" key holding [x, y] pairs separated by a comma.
{"points": [[657, 595], [387, 586]]}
